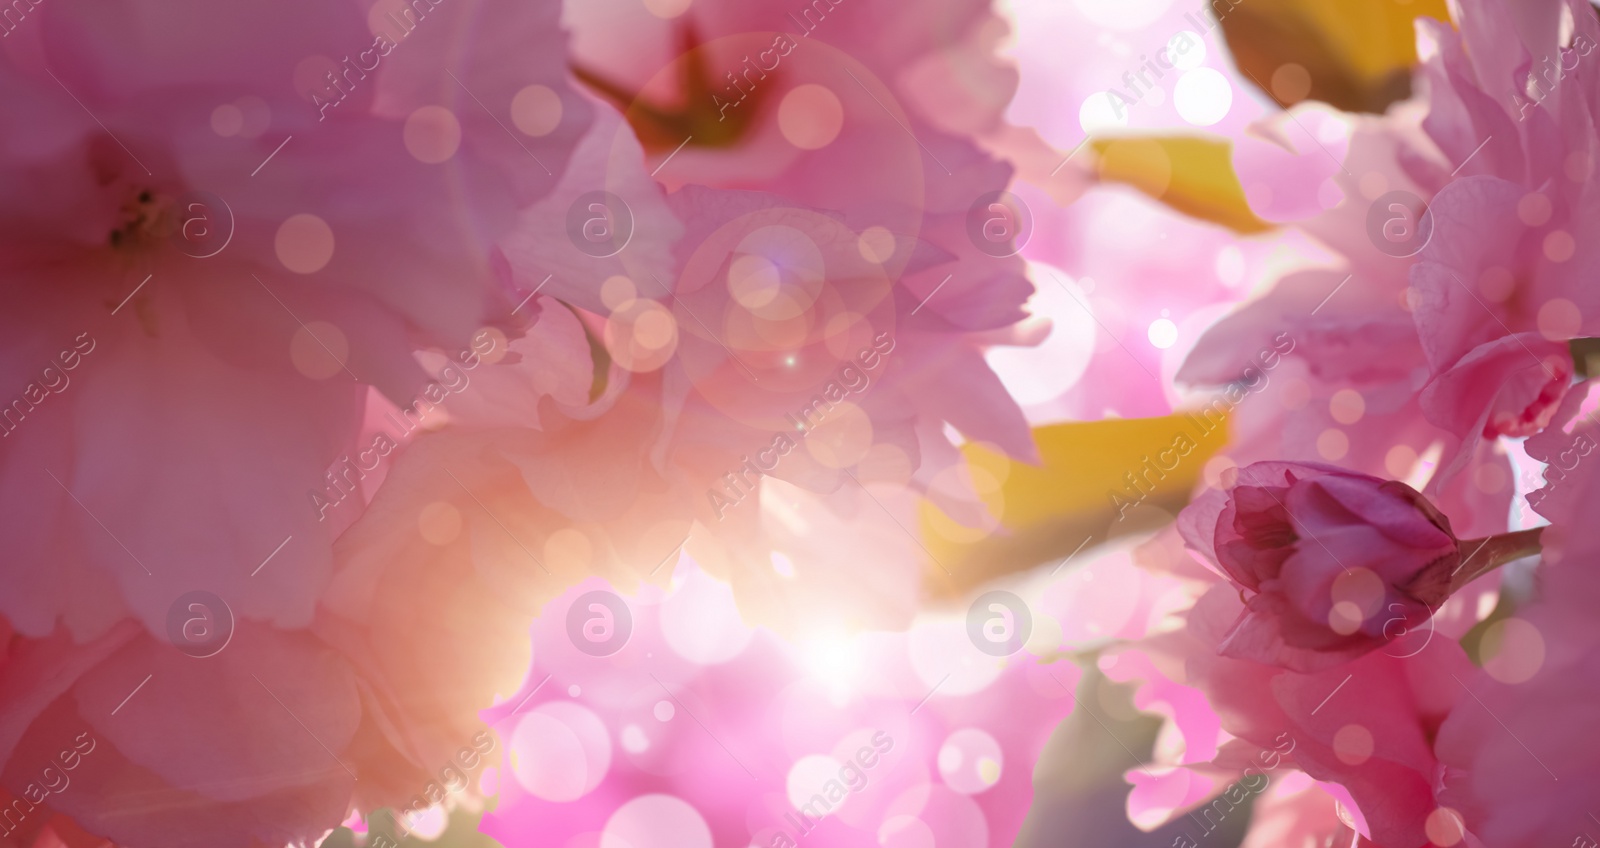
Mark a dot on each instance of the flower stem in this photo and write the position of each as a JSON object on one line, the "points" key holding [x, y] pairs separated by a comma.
{"points": [[1481, 556]]}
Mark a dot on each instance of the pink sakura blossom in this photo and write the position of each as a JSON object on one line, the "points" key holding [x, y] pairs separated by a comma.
{"points": [[251, 363], [1511, 386], [1350, 391], [206, 386], [908, 194], [1511, 773], [1509, 254], [826, 309], [1386, 342], [1363, 728], [1374, 752], [1501, 253]]}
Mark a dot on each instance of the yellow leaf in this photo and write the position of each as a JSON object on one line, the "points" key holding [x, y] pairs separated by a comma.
{"points": [[1355, 55], [1192, 174], [1097, 479]]}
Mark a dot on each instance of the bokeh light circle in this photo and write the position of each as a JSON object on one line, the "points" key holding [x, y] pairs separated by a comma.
{"points": [[656, 821], [560, 751]]}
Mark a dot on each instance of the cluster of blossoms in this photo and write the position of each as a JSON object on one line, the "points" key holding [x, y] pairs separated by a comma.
{"points": [[389, 354], [372, 363], [1432, 699]]}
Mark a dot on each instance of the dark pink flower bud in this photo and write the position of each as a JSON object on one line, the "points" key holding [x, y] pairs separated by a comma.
{"points": [[1331, 563]]}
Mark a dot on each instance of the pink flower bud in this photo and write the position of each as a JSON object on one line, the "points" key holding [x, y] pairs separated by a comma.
{"points": [[1331, 563]]}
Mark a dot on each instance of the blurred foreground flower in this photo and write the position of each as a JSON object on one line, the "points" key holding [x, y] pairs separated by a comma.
{"points": [[218, 243]]}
